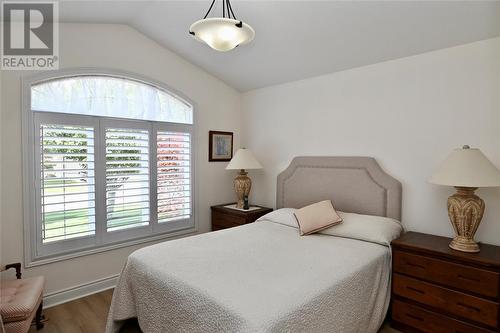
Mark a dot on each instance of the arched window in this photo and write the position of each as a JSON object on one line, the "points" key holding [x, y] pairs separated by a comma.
{"points": [[109, 96], [112, 163]]}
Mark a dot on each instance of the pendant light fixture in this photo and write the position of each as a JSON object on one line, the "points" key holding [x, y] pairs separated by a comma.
{"points": [[222, 33]]}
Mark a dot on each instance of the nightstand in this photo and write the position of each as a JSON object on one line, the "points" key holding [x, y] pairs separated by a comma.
{"points": [[437, 289], [223, 217]]}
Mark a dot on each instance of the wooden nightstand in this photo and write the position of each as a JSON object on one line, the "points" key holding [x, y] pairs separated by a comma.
{"points": [[437, 289], [223, 217]]}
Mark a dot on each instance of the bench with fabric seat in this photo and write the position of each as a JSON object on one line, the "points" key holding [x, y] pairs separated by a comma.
{"points": [[21, 301]]}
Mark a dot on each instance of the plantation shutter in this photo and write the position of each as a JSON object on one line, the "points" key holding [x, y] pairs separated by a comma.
{"points": [[67, 182], [127, 178], [173, 176]]}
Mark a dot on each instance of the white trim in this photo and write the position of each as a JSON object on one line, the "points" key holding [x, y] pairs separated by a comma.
{"points": [[28, 144], [81, 253], [82, 290]]}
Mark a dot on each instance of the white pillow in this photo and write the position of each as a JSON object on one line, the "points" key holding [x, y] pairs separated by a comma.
{"points": [[283, 216], [370, 228]]}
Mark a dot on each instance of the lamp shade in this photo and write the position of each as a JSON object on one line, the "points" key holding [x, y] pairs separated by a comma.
{"points": [[222, 34], [243, 159], [466, 167]]}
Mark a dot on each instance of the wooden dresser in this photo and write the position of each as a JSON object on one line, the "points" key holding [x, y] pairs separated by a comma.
{"points": [[437, 289], [223, 217]]}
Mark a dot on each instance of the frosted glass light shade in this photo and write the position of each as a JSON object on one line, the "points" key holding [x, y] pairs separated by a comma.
{"points": [[467, 167], [243, 159], [222, 34]]}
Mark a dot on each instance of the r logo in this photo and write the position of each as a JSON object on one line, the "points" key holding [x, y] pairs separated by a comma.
{"points": [[28, 28], [29, 35]]}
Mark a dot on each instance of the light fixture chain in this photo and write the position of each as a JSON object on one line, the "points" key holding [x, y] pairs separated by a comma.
{"points": [[226, 4], [230, 9], [209, 9]]}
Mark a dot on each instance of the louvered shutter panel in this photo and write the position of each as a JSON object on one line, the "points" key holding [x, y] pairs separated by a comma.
{"points": [[127, 178], [173, 176], [67, 182]]}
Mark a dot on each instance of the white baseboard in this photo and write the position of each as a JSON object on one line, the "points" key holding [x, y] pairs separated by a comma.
{"points": [[70, 294]]}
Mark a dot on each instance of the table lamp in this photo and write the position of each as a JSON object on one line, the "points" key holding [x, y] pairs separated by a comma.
{"points": [[466, 169], [243, 160]]}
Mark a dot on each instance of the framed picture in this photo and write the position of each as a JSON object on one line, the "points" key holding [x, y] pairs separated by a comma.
{"points": [[220, 146]]}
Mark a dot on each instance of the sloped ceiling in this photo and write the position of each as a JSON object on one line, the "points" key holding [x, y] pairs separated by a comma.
{"points": [[300, 39]]}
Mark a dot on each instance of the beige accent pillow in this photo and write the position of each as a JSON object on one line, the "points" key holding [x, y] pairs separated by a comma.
{"points": [[316, 217]]}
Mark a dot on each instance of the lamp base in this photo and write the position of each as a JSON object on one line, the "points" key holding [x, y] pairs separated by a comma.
{"points": [[465, 210], [242, 185], [465, 245]]}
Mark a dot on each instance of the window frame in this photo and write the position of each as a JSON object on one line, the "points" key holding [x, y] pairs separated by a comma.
{"points": [[33, 256]]}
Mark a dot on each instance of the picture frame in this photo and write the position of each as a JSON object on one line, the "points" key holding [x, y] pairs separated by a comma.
{"points": [[220, 146]]}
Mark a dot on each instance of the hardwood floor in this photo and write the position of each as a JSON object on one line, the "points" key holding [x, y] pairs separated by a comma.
{"points": [[84, 315], [88, 315]]}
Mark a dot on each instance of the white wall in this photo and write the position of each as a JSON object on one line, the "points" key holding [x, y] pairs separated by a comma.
{"points": [[1, 158], [407, 113], [122, 48]]}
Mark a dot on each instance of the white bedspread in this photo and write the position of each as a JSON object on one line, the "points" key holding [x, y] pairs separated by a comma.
{"points": [[261, 277]]}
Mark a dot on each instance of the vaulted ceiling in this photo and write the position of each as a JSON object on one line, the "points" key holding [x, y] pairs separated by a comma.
{"points": [[300, 39]]}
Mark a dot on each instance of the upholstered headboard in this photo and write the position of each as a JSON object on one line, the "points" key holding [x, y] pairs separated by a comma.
{"points": [[354, 184]]}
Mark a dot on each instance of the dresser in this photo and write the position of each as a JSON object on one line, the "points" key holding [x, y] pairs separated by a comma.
{"points": [[437, 289], [223, 217]]}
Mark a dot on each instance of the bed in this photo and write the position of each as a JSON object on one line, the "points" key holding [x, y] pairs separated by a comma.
{"points": [[264, 277]]}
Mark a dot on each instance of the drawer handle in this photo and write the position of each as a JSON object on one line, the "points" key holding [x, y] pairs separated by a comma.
{"points": [[460, 276], [414, 265], [414, 317], [473, 308], [416, 290]]}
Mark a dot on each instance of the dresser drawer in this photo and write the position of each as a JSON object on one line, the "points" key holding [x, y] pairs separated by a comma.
{"points": [[427, 321], [449, 301], [223, 221], [216, 227], [466, 278]]}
